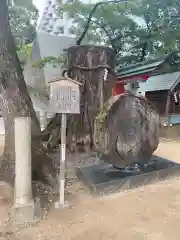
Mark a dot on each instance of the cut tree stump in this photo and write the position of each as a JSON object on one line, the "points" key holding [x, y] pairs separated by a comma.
{"points": [[126, 131], [93, 67]]}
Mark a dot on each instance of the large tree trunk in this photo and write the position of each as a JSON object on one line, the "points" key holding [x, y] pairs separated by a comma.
{"points": [[87, 64], [15, 101], [127, 130]]}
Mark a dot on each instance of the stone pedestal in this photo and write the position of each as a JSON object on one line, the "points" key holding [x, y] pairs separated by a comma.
{"points": [[103, 179], [24, 213], [23, 190], [23, 210]]}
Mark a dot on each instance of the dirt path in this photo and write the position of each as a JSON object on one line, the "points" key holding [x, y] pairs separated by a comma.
{"points": [[169, 149], [150, 213]]}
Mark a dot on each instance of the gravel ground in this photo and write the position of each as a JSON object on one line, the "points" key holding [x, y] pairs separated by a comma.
{"points": [[150, 212]]}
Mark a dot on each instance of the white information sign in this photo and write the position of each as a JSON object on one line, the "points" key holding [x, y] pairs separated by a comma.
{"points": [[65, 97]]}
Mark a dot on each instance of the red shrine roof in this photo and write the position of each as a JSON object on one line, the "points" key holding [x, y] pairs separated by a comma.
{"points": [[138, 71]]}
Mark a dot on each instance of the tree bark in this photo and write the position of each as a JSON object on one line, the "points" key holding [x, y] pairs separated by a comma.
{"points": [[87, 64], [127, 130], [15, 102]]}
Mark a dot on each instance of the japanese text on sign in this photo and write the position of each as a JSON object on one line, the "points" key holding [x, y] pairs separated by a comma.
{"points": [[64, 97]]}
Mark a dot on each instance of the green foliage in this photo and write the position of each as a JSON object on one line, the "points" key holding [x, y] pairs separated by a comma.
{"points": [[23, 22], [162, 20], [137, 30], [23, 17], [104, 26], [55, 61], [27, 4], [23, 52]]}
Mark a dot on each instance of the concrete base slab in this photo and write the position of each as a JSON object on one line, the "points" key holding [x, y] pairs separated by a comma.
{"points": [[30, 213], [103, 179]]}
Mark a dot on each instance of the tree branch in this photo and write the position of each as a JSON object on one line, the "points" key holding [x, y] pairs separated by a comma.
{"points": [[103, 27], [78, 42], [145, 45]]}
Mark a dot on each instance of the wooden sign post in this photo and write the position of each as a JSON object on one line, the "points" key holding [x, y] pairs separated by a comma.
{"points": [[65, 99]]}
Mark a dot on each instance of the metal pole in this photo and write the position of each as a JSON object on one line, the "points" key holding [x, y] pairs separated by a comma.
{"points": [[62, 159]]}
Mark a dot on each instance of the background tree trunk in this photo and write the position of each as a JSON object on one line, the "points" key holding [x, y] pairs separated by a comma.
{"points": [[15, 101]]}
